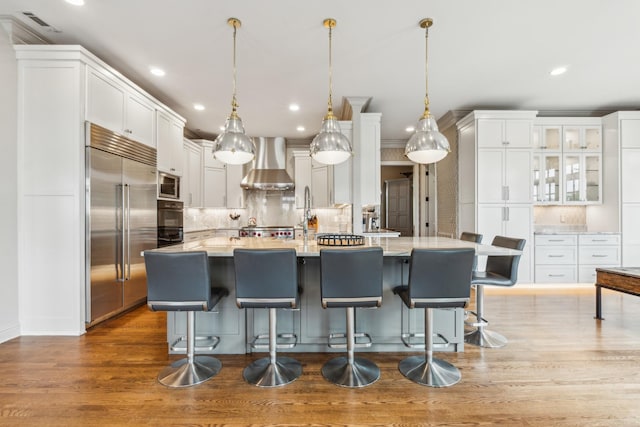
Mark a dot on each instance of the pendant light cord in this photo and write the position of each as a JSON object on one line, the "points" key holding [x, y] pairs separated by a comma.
{"points": [[234, 102], [330, 102], [426, 73]]}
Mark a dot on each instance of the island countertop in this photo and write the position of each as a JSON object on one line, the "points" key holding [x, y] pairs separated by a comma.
{"points": [[391, 246]]}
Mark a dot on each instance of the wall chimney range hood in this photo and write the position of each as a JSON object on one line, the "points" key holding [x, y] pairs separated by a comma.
{"points": [[268, 167]]}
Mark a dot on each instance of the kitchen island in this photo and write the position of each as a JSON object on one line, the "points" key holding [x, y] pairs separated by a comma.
{"points": [[311, 322]]}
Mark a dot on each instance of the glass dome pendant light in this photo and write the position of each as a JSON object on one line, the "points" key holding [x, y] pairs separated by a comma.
{"points": [[427, 144], [330, 146], [232, 146]]}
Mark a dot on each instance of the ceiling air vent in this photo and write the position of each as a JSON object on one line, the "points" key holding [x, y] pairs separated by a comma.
{"points": [[40, 22]]}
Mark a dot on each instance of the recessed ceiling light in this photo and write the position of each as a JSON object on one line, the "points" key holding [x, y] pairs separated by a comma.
{"points": [[294, 107], [157, 71], [557, 71], [76, 2], [410, 129], [198, 107], [300, 129]]}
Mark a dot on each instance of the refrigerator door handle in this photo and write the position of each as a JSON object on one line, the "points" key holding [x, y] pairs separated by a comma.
{"points": [[128, 232], [120, 257]]}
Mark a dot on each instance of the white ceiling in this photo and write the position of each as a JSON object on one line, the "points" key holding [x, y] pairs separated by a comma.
{"points": [[482, 54]]}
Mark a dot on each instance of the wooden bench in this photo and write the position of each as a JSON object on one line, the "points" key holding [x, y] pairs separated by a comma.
{"points": [[621, 279]]}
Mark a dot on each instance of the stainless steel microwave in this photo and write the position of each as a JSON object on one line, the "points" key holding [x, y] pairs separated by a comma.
{"points": [[168, 186]]}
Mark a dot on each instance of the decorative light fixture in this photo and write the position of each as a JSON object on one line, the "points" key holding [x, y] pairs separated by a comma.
{"points": [[330, 146], [427, 144], [232, 146]]}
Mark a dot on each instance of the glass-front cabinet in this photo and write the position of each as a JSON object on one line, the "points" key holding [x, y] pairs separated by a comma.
{"points": [[567, 165]]}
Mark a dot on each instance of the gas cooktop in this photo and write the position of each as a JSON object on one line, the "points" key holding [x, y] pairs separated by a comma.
{"points": [[275, 231]]}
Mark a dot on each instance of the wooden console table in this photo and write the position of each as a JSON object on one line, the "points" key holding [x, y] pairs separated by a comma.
{"points": [[621, 279]]}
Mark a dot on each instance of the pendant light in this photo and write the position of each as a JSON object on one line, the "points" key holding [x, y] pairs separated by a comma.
{"points": [[232, 146], [330, 146], [427, 144]]}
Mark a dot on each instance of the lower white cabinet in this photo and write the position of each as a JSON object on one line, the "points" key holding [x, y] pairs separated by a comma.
{"points": [[571, 258]]}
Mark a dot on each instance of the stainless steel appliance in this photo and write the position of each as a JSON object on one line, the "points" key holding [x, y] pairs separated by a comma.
{"points": [[170, 230], [168, 186], [276, 232], [268, 167], [121, 221]]}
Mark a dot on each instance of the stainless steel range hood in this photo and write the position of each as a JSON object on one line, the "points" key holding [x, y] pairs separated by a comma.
{"points": [[267, 169]]}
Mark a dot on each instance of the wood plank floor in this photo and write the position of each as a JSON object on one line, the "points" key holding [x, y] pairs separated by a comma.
{"points": [[561, 367]]}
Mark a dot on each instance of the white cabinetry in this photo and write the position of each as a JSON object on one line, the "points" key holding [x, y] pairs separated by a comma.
{"points": [[556, 258], [567, 162], [55, 98], [112, 105], [502, 203], [235, 193], [191, 182], [596, 250], [170, 137], [329, 185]]}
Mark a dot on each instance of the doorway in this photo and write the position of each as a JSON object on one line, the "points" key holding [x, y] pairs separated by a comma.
{"points": [[398, 196]]}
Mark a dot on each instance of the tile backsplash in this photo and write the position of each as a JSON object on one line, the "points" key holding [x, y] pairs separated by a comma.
{"points": [[566, 218], [269, 208]]}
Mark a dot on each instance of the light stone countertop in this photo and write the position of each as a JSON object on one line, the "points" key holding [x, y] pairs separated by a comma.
{"points": [[392, 246]]}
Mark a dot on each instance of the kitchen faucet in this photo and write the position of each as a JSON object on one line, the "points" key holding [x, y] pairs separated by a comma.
{"points": [[307, 214]]}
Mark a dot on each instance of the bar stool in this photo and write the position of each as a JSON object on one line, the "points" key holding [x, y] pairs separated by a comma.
{"points": [[268, 278], [351, 278], [471, 237], [181, 282], [438, 278], [500, 271]]}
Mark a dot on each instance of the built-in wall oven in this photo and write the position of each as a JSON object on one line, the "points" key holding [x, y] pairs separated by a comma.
{"points": [[170, 229]]}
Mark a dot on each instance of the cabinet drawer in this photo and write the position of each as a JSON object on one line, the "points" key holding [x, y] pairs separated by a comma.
{"points": [[599, 239], [556, 255], [556, 274], [557, 239], [598, 255]]}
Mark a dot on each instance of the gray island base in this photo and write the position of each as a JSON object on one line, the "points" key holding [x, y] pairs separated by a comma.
{"points": [[311, 323]]}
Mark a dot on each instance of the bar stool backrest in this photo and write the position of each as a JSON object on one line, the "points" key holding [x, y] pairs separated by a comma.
{"points": [[266, 278], [178, 281], [351, 277], [440, 277], [471, 237], [505, 266]]}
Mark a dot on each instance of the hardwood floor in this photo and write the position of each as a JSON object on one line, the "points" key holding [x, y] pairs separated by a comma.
{"points": [[561, 367]]}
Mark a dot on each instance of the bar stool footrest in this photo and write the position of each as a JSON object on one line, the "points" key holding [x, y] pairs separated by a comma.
{"points": [[479, 321], [406, 340], [202, 343], [290, 341], [366, 343]]}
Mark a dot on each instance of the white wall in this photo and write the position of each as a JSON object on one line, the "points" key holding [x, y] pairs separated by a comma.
{"points": [[9, 327]]}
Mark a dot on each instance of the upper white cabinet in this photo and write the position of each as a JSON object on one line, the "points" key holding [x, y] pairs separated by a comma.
{"points": [[328, 185], [170, 139], [511, 133], [567, 163], [235, 193], [301, 174], [191, 182], [502, 177], [112, 105]]}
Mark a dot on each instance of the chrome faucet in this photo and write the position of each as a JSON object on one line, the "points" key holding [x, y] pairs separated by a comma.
{"points": [[307, 214]]}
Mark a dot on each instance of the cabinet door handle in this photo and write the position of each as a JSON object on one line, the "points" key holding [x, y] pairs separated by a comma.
{"points": [[507, 192], [555, 256], [504, 192], [506, 214], [598, 240], [598, 256], [556, 240], [505, 142], [556, 275]]}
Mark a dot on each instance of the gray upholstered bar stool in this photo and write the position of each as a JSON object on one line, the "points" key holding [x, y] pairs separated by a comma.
{"points": [[500, 271], [351, 278], [268, 278], [471, 237], [181, 282], [438, 278]]}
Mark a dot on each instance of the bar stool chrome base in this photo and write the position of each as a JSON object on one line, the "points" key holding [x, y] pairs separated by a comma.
{"points": [[263, 373], [485, 338], [361, 373], [437, 373], [181, 373]]}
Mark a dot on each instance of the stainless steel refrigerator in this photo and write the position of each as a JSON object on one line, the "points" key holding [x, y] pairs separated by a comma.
{"points": [[121, 218]]}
